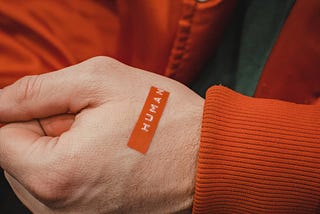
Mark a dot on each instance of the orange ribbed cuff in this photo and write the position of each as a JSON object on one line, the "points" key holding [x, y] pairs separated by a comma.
{"points": [[257, 156]]}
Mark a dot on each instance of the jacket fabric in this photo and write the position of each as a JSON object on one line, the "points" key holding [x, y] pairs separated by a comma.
{"points": [[256, 154], [171, 38]]}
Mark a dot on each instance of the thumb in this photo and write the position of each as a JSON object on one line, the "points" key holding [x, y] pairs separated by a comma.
{"points": [[56, 125], [39, 96]]}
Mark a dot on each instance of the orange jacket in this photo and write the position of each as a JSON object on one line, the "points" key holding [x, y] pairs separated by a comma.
{"points": [[256, 155], [168, 37]]}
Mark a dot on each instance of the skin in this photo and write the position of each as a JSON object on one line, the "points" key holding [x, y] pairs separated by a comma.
{"points": [[64, 146]]}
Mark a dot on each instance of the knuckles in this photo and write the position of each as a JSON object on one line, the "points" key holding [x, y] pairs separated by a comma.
{"points": [[100, 77], [103, 60], [27, 88], [103, 66]]}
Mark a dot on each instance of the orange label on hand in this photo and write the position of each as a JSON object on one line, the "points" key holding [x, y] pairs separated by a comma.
{"points": [[147, 123]]}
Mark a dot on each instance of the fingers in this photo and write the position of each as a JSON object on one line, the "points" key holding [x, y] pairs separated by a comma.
{"points": [[33, 160], [64, 91], [36, 161], [22, 146], [56, 125]]}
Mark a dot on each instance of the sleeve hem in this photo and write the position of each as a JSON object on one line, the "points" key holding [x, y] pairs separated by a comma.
{"points": [[257, 155]]}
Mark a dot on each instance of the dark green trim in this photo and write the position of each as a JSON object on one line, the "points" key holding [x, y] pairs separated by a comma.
{"points": [[246, 45]]}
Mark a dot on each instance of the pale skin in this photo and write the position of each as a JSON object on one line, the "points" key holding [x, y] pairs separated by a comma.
{"points": [[78, 161]]}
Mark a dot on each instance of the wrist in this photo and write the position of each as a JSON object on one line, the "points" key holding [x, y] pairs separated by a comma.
{"points": [[171, 160]]}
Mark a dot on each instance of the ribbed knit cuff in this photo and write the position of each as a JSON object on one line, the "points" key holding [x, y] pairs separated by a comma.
{"points": [[257, 156]]}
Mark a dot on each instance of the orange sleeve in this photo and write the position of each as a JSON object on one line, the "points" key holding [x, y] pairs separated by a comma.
{"points": [[257, 156]]}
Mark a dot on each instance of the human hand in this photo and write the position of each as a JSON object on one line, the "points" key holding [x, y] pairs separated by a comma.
{"points": [[78, 161]]}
